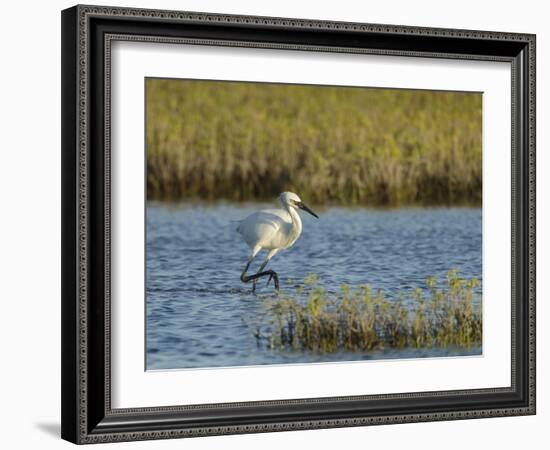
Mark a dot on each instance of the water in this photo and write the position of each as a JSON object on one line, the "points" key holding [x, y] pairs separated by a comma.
{"points": [[198, 309]]}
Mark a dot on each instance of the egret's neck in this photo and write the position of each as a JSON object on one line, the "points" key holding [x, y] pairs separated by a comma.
{"points": [[296, 222]]}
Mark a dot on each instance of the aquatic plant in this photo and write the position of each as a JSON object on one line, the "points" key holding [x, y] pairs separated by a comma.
{"points": [[362, 320], [352, 146]]}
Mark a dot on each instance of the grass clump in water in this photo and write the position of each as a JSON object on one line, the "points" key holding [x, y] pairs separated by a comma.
{"points": [[362, 320]]}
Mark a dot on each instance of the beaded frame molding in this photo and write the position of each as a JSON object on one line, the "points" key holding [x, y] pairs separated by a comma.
{"points": [[87, 35]]}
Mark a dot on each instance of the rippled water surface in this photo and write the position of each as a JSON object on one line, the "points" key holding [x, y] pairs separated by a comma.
{"points": [[198, 309]]}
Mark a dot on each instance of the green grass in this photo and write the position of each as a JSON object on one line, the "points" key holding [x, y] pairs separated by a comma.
{"points": [[362, 320], [348, 146]]}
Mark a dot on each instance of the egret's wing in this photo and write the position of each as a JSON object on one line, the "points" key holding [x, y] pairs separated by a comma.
{"points": [[262, 228]]}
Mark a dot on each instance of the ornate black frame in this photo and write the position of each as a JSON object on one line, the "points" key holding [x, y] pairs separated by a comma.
{"points": [[87, 32]]}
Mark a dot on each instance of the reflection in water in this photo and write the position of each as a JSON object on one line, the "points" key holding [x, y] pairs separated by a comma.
{"points": [[198, 309]]}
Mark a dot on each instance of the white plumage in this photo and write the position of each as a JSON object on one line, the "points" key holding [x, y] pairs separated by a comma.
{"points": [[272, 230]]}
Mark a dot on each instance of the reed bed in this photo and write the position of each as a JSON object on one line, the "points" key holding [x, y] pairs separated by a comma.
{"points": [[356, 146], [363, 320]]}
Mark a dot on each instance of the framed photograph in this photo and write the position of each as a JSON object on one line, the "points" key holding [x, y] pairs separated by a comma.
{"points": [[279, 224]]}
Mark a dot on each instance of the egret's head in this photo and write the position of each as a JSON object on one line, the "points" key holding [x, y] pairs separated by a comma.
{"points": [[291, 200]]}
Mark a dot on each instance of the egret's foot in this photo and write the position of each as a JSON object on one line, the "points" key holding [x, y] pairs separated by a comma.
{"points": [[254, 278]]}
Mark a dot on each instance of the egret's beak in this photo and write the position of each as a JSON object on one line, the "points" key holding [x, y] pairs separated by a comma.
{"points": [[303, 206]]}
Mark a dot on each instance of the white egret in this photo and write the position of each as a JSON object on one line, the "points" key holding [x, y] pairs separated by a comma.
{"points": [[272, 230]]}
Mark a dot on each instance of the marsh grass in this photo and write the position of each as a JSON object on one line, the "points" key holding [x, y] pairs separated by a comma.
{"points": [[355, 146], [363, 320]]}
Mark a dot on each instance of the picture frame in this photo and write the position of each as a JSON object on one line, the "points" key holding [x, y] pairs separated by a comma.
{"points": [[87, 367]]}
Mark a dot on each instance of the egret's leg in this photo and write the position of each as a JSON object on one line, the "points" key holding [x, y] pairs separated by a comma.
{"points": [[270, 273], [253, 254], [273, 276]]}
